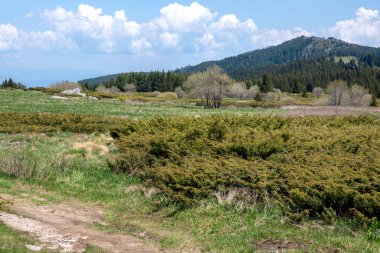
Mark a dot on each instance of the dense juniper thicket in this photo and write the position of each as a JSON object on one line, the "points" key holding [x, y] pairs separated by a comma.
{"points": [[310, 166]]}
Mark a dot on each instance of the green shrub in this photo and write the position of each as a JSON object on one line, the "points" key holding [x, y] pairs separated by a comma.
{"points": [[14, 122], [324, 167]]}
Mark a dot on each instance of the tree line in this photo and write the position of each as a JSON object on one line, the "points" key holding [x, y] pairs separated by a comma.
{"points": [[9, 83], [305, 75], [143, 81]]}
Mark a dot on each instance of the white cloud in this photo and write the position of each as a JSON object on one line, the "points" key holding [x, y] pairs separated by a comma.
{"points": [[170, 40], [107, 31], [363, 29], [207, 41], [270, 37], [191, 28], [47, 40], [231, 22], [138, 45], [9, 37], [180, 18]]}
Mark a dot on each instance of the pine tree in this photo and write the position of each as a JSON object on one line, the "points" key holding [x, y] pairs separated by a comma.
{"points": [[266, 84]]}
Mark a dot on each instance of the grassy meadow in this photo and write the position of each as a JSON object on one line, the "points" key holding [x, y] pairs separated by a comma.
{"points": [[228, 180], [38, 102]]}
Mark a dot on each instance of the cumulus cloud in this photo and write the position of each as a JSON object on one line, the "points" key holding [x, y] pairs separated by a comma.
{"points": [[9, 37], [138, 45], [363, 29], [89, 24], [231, 22], [207, 41], [180, 18], [170, 40], [177, 27], [48, 40], [270, 37]]}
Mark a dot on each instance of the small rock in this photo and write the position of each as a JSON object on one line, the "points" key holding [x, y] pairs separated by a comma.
{"points": [[90, 97], [75, 91], [33, 248], [58, 97]]}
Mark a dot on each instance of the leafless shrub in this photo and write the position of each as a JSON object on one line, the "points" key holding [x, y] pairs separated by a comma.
{"points": [[318, 92], [237, 90], [20, 163], [339, 94], [366, 100], [112, 90], [253, 91], [272, 96], [359, 96], [65, 85], [180, 93], [130, 88]]}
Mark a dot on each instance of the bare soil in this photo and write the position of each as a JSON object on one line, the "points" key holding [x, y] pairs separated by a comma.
{"points": [[68, 227], [280, 246]]}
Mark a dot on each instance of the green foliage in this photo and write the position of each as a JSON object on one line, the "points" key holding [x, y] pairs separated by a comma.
{"points": [[47, 122], [373, 233], [373, 101], [325, 166], [144, 81], [310, 61], [9, 83]]}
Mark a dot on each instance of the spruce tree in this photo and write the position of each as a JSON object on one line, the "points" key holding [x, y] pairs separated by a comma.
{"points": [[266, 84]]}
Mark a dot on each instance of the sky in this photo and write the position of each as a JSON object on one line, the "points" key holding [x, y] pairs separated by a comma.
{"points": [[42, 42]]}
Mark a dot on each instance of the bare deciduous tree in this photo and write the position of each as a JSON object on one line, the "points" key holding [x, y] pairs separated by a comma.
{"points": [[253, 91], [211, 86], [237, 90], [337, 90], [357, 95]]}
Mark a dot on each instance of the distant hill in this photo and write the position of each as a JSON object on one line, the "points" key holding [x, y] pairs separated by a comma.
{"points": [[300, 48], [98, 80], [296, 65]]}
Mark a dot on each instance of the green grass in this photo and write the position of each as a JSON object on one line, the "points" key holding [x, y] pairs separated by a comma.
{"points": [[13, 242], [38, 102], [345, 59], [65, 171], [209, 225]]}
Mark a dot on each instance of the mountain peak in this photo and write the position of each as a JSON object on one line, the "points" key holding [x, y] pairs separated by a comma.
{"points": [[296, 49]]}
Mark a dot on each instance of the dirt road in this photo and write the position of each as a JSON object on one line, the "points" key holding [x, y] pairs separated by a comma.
{"points": [[68, 227]]}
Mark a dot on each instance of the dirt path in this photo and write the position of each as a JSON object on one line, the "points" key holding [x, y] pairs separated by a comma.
{"points": [[68, 227]]}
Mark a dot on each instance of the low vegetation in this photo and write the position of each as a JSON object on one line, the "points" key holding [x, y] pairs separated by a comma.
{"points": [[317, 167], [221, 223], [226, 180]]}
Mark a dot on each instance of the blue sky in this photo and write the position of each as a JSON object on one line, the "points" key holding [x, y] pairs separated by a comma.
{"points": [[46, 41]]}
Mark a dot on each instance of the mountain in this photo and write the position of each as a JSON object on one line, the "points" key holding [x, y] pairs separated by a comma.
{"points": [[300, 48], [296, 65]]}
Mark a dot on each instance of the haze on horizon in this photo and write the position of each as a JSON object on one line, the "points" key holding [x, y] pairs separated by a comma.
{"points": [[46, 41]]}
